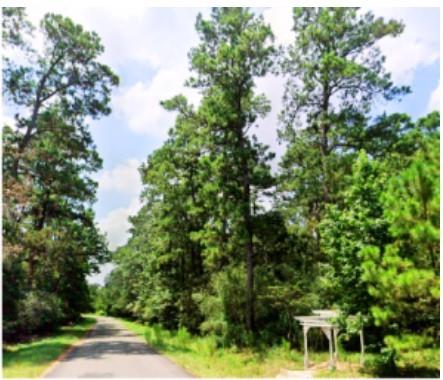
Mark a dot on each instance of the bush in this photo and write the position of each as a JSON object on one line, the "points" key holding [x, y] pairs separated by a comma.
{"points": [[183, 336], [208, 345], [13, 279], [223, 309], [154, 335], [383, 365], [11, 330], [39, 311]]}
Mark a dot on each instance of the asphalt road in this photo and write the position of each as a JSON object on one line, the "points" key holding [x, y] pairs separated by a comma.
{"points": [[111, 351]]}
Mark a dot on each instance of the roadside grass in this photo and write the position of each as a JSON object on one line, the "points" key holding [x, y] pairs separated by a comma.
{"points": [[201, 357], [30, 359]]}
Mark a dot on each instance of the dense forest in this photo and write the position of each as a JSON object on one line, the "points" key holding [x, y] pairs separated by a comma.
{"points": [[224, 245], [50, 240]]}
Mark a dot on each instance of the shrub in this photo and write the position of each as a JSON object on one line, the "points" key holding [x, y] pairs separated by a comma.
{"points": [[154, 335], [183, 336], [10, 330], [39, 311], [208, 345]]}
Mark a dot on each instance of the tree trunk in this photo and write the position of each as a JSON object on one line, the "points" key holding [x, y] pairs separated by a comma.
{"points": [[324, 144], [249, 232]]}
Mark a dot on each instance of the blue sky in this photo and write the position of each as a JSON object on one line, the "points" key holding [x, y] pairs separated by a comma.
{"points": [[148, 47]]}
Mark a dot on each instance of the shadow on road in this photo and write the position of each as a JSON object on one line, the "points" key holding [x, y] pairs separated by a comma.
{"points": [[107, 340]]}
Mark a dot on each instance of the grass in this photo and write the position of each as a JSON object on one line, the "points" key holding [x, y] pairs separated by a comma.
{"points": [[202, 358], [30, 359]]}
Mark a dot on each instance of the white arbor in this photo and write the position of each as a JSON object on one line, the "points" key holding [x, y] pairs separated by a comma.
{"points": [[324, 319]]}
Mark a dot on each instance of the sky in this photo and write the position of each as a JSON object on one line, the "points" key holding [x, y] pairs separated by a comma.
{"points": [[148, 47]]}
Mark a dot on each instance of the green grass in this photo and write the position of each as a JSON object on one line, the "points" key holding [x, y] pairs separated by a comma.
{"points": [[200, 357], [30, 359]]}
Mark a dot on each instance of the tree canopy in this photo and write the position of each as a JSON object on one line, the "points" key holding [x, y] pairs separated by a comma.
{"points": [[223, 245], [50, 238]]}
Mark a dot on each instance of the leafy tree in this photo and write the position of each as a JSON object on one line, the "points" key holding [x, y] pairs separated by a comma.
{"points": [[235, 48], [65, 73], [14, 27], [50, 235], [346, 228], [334, 74], [404, 276], [364, 217], [354, 222]]}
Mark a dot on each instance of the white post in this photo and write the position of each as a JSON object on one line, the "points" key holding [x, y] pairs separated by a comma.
{"points": [[331, 356], [305, 342], [362, 348], [335, 330]]}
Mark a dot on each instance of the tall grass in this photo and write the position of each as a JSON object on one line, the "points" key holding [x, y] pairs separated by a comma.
{"points": [[204, 357]]}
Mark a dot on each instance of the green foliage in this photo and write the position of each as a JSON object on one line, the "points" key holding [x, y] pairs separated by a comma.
{"points": [[39, 311], [30, 359], [13, 278], [236, 47], [51, 242], [357, 221], [208, 346], [226, 250], [404, 277], [14, 27], [183, 336], [223, 309], [154, 335], [334, 73], [193, 242]]}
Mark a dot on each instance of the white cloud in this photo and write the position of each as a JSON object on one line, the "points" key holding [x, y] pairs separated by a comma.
{"points": [[434, 100], [138, 34], [9, 121], [281, 22], [99, 278], [116, 224], [266, 132], [417, 47], [123, 178], [140, 105]]}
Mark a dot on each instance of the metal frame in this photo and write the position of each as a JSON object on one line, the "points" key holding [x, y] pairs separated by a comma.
{"points": [[322, 319]]}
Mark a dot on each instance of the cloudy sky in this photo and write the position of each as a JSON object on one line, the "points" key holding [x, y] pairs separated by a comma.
{"points": [[147, 48]]}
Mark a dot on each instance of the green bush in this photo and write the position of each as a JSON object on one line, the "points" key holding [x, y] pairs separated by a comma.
{"points": [[39, 311], [208, 345], [183, 336], [383, 365], [10, 330], [154, 335]]}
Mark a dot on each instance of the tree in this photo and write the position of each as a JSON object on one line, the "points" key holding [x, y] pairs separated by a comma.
{"points": [[51, 239], [66, 73], [162, 254], [334, 74], [235, 48], [347, 227], [364, 217], [14, 26], [403, 276]]}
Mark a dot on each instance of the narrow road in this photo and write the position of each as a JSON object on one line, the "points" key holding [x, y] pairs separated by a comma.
{"points": [[110, 350]]}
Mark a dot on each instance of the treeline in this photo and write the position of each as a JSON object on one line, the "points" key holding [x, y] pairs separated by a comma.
{"points": [[50, 240], [225, 246]]}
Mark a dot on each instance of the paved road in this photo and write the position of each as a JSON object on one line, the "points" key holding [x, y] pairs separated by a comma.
{"points": [[112, 351]]}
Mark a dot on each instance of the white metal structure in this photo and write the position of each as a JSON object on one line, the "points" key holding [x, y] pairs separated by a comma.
{"points": [[323, 319]]}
